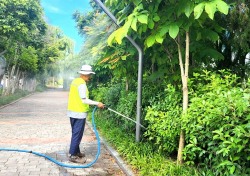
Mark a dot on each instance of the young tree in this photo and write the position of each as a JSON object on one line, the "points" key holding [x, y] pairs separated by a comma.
{"points": [[156, 19]]}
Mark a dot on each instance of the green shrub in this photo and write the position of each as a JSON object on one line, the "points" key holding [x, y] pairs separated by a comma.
{"points": [[99, 93], [163, 118], [217, 125], [112, 95], [127, 106], [140, 155], [121, 101], [120, 132]]}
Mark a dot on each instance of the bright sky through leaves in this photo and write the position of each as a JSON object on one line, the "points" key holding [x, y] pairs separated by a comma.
{"points": [[59, 13]]}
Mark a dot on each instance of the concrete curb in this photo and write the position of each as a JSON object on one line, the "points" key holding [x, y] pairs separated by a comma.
{"points": [[125, 168]]}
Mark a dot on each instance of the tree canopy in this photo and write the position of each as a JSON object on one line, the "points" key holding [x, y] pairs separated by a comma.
{"points": [[194, 52], [29, 44]]}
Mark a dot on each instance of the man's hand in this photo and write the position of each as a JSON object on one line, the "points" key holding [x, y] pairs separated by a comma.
{"points": [[101, 105]]}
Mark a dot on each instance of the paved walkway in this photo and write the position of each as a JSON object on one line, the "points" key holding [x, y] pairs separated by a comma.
{"points": [[39, 123]]}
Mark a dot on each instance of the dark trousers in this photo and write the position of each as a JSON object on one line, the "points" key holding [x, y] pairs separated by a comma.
{"points": [[77, 126]]}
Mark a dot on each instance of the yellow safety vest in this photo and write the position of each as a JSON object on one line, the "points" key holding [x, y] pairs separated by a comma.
{"points": [[75, 103]]}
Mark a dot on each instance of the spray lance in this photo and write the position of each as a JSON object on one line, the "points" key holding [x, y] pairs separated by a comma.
{"points": [[108, 108]]}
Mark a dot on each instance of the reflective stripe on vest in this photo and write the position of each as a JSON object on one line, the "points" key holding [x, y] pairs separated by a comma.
{"points": [[75, 103]]}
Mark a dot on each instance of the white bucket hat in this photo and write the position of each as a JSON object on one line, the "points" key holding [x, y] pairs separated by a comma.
{"points": [[86, 70]]}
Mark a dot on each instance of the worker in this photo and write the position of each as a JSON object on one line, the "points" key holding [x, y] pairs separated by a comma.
{"points": [[78, 107]]}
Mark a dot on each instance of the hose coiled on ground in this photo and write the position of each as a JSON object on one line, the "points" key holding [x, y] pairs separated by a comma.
{"points": [[63, 164]]}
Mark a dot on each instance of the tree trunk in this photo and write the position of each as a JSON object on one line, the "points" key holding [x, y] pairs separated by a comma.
{"points": [[11, 81], [11, 75], [16, 81], [127, 84], [22, 81], [184, 78], [2, 66]]}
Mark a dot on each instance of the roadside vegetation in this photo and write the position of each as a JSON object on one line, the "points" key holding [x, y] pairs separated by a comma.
{"points": [[142, 157], [17, 95], [217, 131], [13, 97], [195, 90]]}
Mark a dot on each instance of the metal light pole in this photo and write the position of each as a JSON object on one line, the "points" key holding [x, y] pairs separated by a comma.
{"points": [[139, 87]]}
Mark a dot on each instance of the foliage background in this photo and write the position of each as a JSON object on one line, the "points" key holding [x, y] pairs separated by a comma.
{"points": [[216, 124]]}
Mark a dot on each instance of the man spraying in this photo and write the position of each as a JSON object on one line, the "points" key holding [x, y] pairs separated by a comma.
{"points": [[78, 107]]}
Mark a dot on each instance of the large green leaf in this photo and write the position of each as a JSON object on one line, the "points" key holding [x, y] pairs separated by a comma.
{"points": [[210, 8], [120, 34], [143, 19], [198, 10], [111, 39], [134, 24], [173, 30], [189, 9], [222, 7], [159, 38], [151, 24], [156, 17], [150, 40]]}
